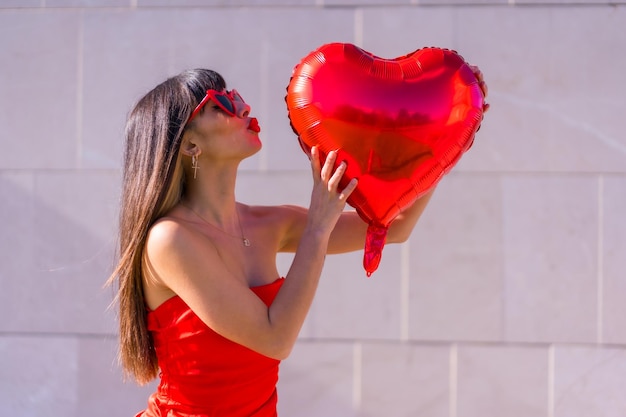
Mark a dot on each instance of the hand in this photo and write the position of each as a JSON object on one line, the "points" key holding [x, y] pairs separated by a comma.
{"points": [[327, 201]]}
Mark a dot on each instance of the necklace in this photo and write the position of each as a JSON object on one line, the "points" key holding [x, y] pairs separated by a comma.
{"points": [[245, 240]]}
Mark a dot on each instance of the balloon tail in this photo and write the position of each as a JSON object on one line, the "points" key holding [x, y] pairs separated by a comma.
{"points": [[374, 243]]}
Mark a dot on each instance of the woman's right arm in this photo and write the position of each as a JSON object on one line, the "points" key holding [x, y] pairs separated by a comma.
{"points": [[191, 267], [327, 203]]}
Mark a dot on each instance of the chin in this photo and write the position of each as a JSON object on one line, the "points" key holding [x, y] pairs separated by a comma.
{"points": [[256, 147], [257, 142]]}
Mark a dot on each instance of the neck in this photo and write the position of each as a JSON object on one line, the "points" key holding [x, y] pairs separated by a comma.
{"points": [[212, 194]]}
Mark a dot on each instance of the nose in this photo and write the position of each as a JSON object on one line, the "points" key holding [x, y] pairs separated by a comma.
{"points": [[242, 109]]}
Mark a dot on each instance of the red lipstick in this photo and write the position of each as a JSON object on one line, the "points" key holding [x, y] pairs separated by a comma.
{"points": [[254, 125]]}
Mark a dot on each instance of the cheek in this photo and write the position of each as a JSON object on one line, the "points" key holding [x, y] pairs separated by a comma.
{"points": [[213, 125], [220, 127]]}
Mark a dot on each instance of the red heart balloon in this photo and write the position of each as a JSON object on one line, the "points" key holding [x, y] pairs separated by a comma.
{"points": [[400, 124]]}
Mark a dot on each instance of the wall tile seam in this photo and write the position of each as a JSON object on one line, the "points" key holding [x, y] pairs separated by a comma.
{"points": [[456, 172], [113, 337], [551, 381], [349, 6], [512, 3], [536, 173], [555, 4], [600, 261], [58, 335], [67, 8], [293, 172], [290, 173], [37, 171], [176, 7], [461, 343]]}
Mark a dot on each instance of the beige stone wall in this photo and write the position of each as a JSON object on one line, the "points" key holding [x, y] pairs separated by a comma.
{"points": [[508, 300]]}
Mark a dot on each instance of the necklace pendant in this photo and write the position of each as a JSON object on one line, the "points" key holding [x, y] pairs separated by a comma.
{"points": [[246, 242]]}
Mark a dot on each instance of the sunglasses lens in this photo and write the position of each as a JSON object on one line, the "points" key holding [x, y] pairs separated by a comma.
{"points": [[225, 103], [236, 96]]}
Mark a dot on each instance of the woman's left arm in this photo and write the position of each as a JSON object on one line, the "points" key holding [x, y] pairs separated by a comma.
{"points": [[350, 230]]}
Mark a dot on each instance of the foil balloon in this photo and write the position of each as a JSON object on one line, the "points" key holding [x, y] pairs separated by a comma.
{"points": [[400, 124]]}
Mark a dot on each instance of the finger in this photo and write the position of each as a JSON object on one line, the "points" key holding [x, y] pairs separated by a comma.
{"points": [[484, 88], [345, 193], [329, 164], [333, 183], [315, 163], [481, 81], [477, 72]]}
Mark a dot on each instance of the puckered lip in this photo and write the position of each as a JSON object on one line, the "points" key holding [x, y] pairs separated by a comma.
{"points": [[254, 125]]}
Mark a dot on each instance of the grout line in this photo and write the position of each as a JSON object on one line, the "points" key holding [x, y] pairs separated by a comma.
{"points": [[357, 376], [265, 93], [551, 381], [405, 282], [503, 265], [454, 365], [358, 27], [57, 335], [445, 343], [600, 294], [79, 90]]}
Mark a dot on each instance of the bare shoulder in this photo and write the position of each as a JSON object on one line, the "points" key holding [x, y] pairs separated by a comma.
{"points": [[168, 251], [168, 234], [174, 248]]}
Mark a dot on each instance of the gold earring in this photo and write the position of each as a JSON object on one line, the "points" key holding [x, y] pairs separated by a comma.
{"points": [[194, 165]]}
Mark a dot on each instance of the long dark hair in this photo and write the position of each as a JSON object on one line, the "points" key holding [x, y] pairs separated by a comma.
{"points": [[153, 182]]}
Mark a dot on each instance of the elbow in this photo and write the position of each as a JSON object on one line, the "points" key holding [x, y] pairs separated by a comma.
{"points": [[279, 351], [398, 235], [284, 347], [283, 354], [277, 345]]}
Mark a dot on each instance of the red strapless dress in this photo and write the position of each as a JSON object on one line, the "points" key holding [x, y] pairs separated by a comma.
{"points": [[204, 374]]}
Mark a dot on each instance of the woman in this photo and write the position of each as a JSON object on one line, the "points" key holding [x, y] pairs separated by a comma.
{"points": [[201, 302]]}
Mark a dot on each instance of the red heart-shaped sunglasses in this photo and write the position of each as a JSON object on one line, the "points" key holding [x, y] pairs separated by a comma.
{"points": [[224, 99]]}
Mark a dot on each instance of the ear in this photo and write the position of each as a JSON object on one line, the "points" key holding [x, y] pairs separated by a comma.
{"points": [[189, 148]]}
